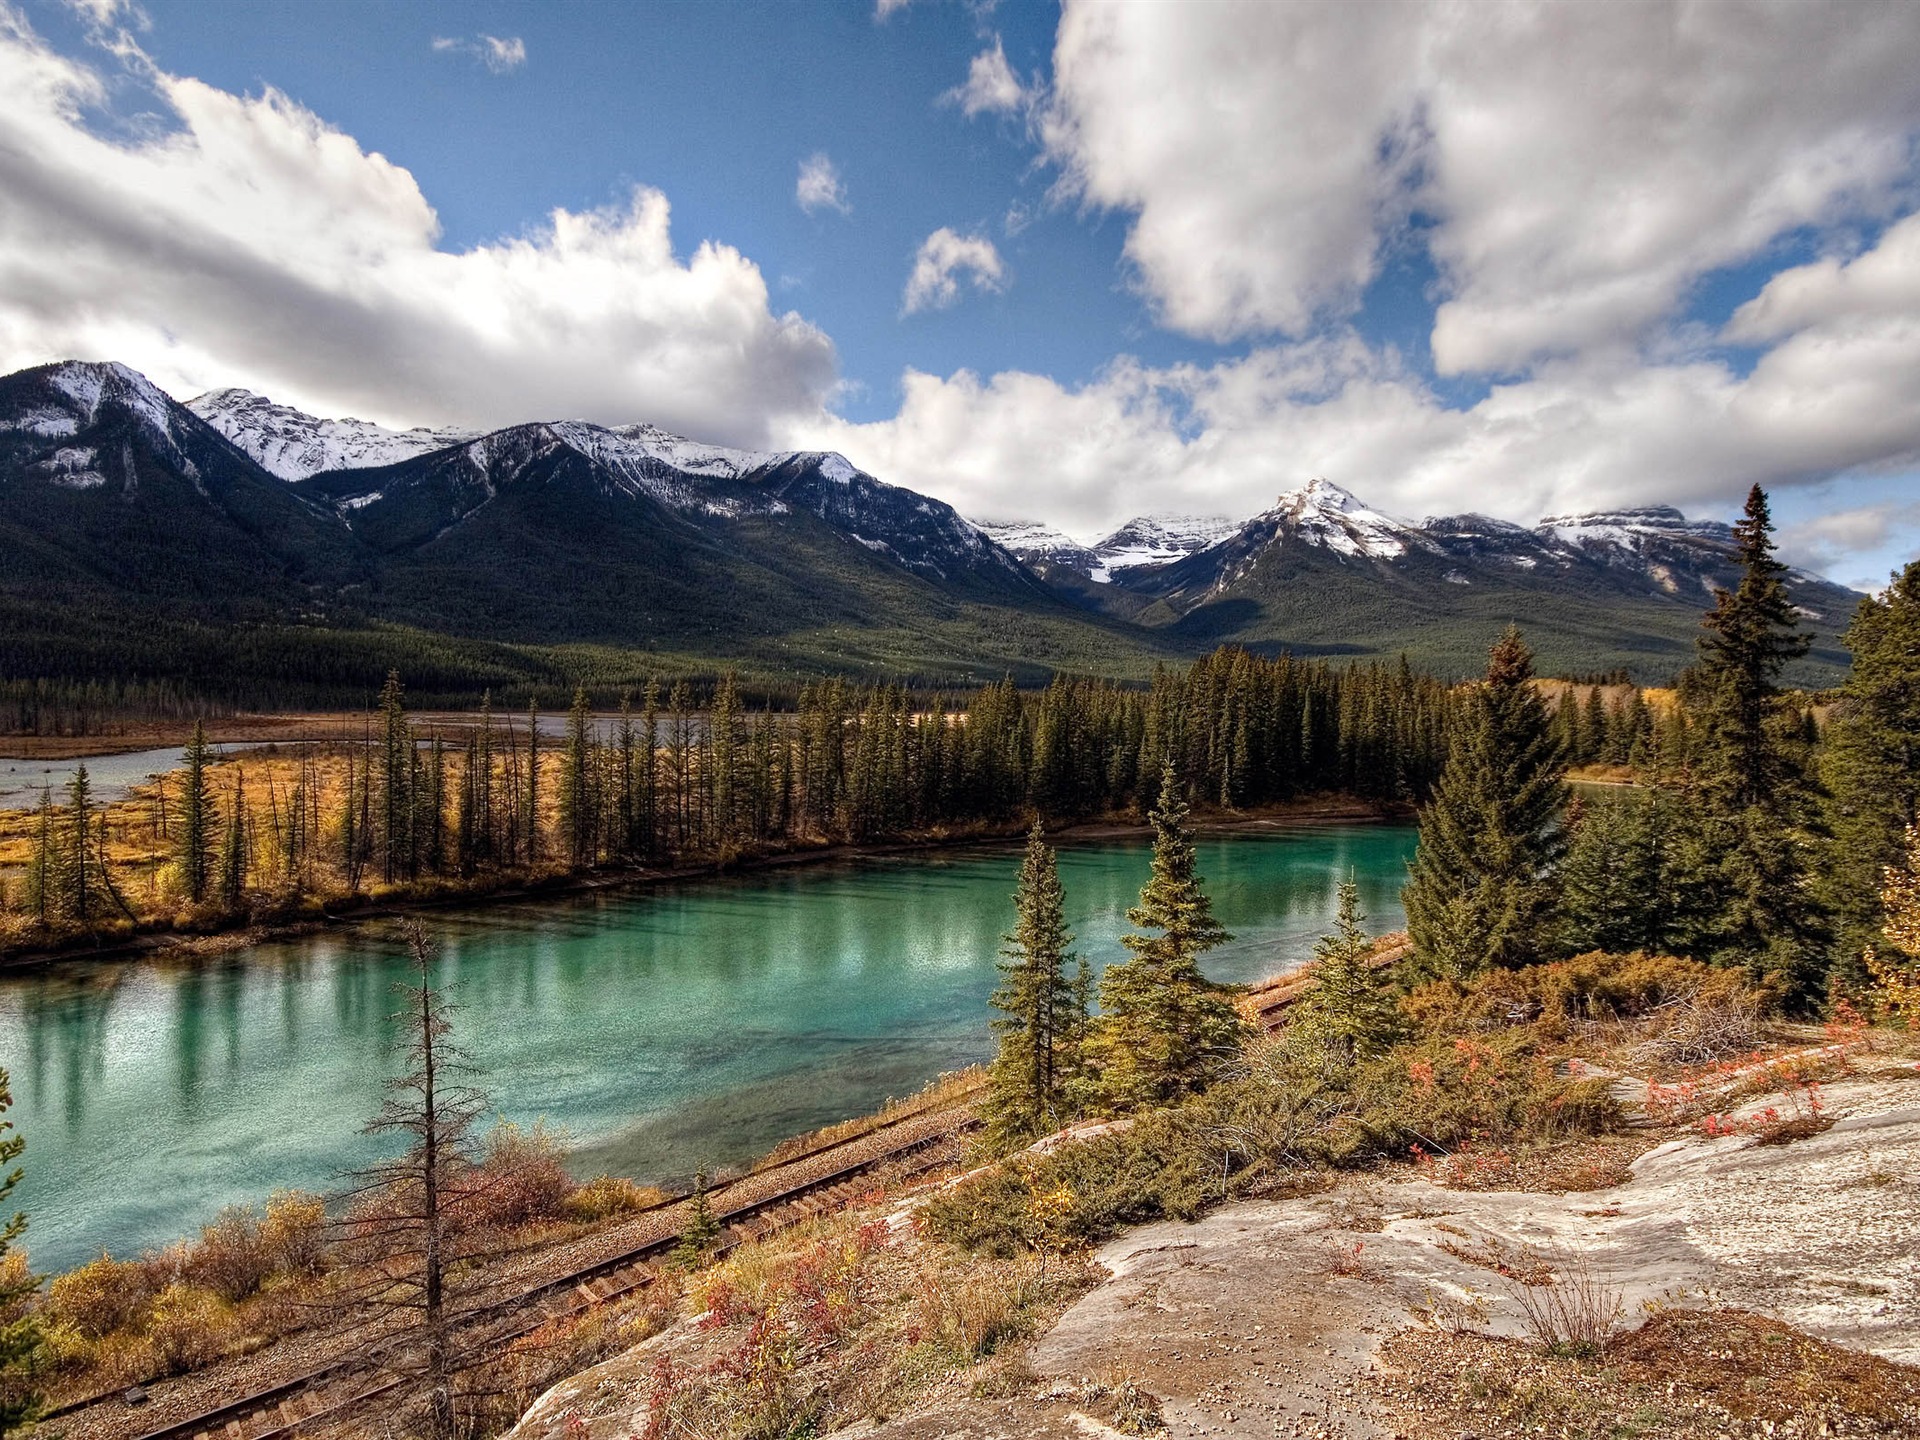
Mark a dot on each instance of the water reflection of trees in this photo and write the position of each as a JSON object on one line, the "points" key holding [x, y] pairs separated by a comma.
{"points": [[66, 1018]]}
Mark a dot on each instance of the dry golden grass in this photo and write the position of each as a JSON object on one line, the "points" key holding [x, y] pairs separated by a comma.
{"points": [[1685, 1375]]}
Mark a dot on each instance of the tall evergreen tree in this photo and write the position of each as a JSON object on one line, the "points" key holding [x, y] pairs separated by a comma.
{"points": [[531, 819], [80, 889], [197, 818], [1347, 1007], [1749, 637], [576, 783], [43, 869], [397, 763], [1870, 763], [1750, 788], [1041, 1018], [1481, 890], [1165, 1031], [232, 868], [22, 1339]]}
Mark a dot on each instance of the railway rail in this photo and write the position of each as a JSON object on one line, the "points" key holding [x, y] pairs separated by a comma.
{"points": [[348, 1381]]}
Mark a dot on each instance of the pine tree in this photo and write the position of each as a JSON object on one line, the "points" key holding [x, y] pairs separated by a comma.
{"points": [[1618, 888], [723, 759], [576, 783], [1346, 1007], [1895, 976], [1750, 789], [43, 870], [531, 819], [396, 777], [1750, 636], [232, 868], [1482, 886], [197, 818], [1041, 1019], [702, 1230], [1870, 763], [79, 885], [1165, 1031], [22, 1341]]}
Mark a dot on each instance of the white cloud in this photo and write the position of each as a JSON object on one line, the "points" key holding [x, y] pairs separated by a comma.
{"points": [[1828, 543], [498, 54], [100, 14], [1581, 164], [886, 9], [820, 186], [1839, 394], [253, 244], [991, 86], [945, 259]]}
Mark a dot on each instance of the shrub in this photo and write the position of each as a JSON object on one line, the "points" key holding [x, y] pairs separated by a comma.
{"points": [[975, 1313], [190, 1327], [1592, 987], [519, 1179], [232, 1259], [1568, 1310], [101, 1297], [1167, 1164], [610, 1195], [294, 1232], [1293, 1109]]}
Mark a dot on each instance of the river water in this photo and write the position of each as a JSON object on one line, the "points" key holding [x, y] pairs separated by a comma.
{"points": [[661, 1028]]}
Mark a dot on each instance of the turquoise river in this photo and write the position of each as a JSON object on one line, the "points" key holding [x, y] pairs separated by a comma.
{"points": [[660, 1028]]}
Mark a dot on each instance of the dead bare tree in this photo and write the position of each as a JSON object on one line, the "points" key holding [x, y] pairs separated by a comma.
{"points": [[435, 1106]]}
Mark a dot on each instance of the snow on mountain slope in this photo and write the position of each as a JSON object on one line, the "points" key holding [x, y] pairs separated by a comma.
{"points": [[1631, 529], [1038, 546], [1322, 513], [294, 445], [1156, 540]]}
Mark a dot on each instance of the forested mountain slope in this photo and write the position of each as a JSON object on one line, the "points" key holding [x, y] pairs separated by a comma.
{"points": [[137, 525], [235, 539], [1323, 573]]}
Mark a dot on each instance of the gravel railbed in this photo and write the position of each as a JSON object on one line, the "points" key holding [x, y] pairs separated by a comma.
{"points": [[305, 1351]]}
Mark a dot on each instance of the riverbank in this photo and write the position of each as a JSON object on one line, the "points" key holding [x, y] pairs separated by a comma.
{"points": [[152, 939]]}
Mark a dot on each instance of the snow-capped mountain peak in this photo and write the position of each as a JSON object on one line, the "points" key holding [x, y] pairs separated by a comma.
{"points": [[1157, 540], [1322, 513], [87, 385], [1631, 527], [1038, 546], [293, 445]]}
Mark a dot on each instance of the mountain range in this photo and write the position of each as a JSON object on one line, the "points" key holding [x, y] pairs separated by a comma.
{"points": [[1332, 575], [169, 540]]}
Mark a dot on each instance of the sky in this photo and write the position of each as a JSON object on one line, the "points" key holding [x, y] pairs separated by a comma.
{"points": [[1068, 263]]}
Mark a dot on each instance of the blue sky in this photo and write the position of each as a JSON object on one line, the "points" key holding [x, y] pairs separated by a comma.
{"points": [[1527, 261]]}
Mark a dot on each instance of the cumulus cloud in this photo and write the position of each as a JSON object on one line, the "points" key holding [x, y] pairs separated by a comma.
{"points": [[1828, 542], [945, 259], [991, 86], [252, 243], [820, 186], [498, 54], [1580, 165], [1839, 394]]}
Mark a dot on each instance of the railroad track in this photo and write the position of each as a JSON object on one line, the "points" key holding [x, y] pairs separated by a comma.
{"points": [[349, 1381]]}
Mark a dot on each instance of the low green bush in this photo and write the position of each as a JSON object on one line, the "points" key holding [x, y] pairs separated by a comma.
{"points": [[1293, 1110], [1593, 987]]}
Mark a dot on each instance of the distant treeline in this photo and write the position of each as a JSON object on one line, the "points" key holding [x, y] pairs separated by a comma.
{"points": [[689, 774], [94, 707]]}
